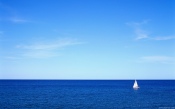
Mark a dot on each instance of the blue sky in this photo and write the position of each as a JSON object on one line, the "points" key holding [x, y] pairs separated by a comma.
{"points": [[87, 39]]}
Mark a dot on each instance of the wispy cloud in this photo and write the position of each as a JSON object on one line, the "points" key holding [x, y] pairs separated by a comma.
{"points": [[138, 24], [144, 34], [163, 38], [56, 44], [139, 32], [11, 15], [39, 54], [158, 59], [12, 57], [18, 20], [47, 49]]}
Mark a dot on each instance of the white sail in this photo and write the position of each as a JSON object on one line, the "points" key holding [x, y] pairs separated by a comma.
{"points": [[135, 86]]}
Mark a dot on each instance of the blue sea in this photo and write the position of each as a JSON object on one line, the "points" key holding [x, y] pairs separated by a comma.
{"points": [[87, 94]]}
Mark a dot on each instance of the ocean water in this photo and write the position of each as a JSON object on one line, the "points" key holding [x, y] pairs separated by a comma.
{"points": [[86, 94]]}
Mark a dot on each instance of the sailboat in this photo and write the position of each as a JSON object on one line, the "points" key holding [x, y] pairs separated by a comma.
{"points": [[135, 86]]}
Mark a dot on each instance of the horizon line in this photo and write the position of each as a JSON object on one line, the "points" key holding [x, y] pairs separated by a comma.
{"points": [[87, 79]]}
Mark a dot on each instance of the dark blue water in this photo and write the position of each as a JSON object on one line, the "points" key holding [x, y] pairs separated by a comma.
{"points": [[86, 94]]}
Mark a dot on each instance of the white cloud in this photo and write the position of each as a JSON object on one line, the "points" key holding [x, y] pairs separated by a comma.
{"points": [[158, 59], [39, 54], [11, 14], [141, 34], [12, 57], [18, 20], [47, 49], [163, 38], [144, 34], [137, 24], [56, 44]]}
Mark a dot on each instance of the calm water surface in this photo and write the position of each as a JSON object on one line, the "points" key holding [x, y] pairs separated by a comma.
{"points": [[86, 94]]}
